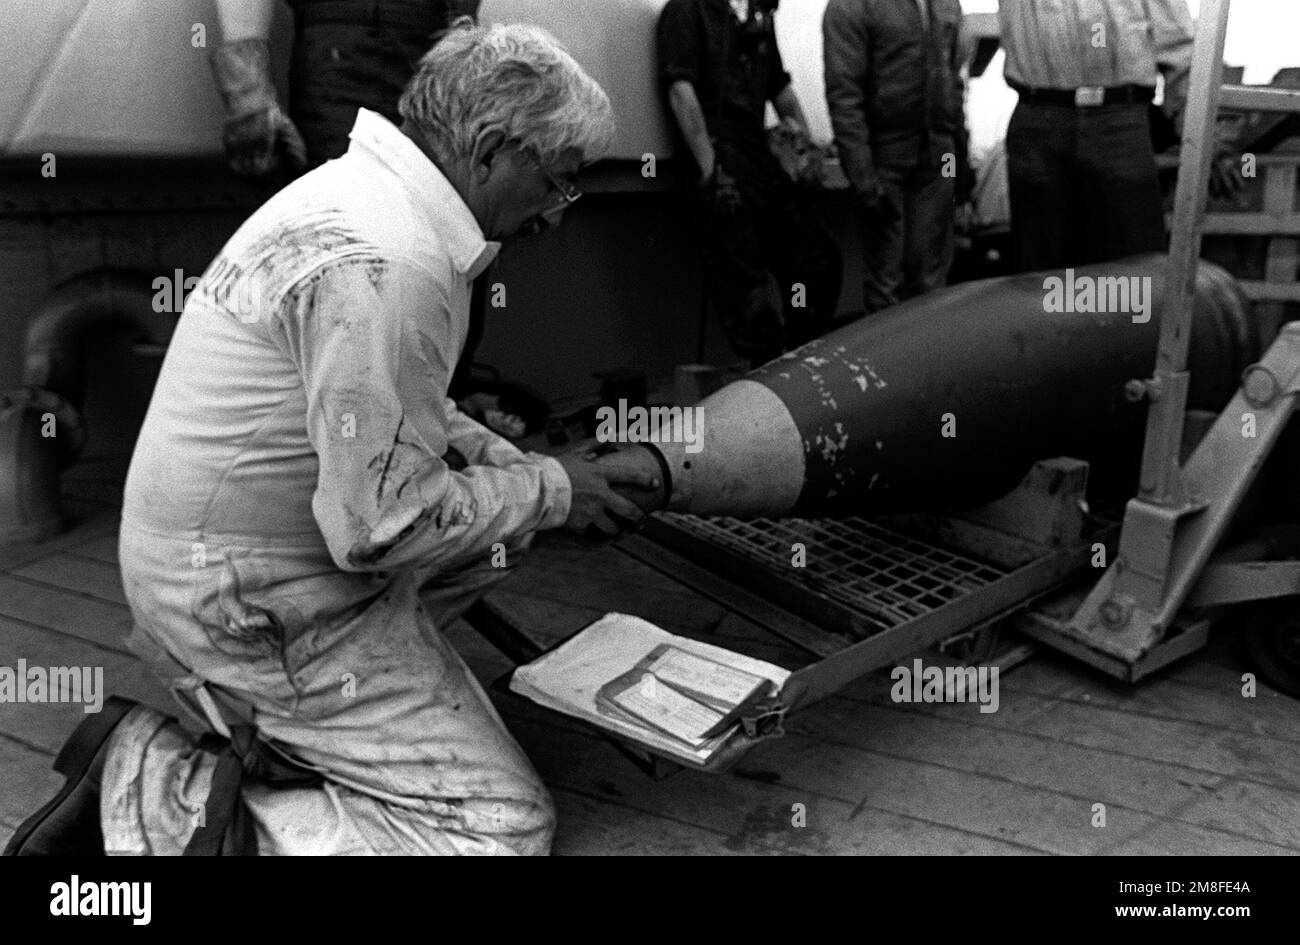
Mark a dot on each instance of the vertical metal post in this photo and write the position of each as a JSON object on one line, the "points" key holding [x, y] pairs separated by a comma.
{"points": [[1161, 482]]}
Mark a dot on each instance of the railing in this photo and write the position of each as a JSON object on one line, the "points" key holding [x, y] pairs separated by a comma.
{"points": [[1277, 218]]}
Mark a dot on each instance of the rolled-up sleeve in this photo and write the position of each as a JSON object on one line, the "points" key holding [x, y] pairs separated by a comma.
{"points": [[369, 337], [777, 77], [1172, 39], [681, 43], [846, 60]]}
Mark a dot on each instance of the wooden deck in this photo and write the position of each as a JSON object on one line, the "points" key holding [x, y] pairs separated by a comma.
{"points": [[1183, 763]]}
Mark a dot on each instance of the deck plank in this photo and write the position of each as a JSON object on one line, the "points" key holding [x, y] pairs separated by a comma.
{"points": [[47, 725], [103, 549], [1182, 761], [80, 529], [27, 780], [958, 739], [588, 827], [1220, 706], [1251, 810], [754, 815], [66, 612], [1038, 819], [1087, 723], [78, 574], [1174, 838]]}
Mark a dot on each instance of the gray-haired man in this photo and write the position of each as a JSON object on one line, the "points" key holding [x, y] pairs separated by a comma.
{"points": [[293, 539]]}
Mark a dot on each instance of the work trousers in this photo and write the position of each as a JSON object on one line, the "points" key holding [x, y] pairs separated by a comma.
{"points": [[909, 252], [774, 272], [415, 758], [1083, 185]]}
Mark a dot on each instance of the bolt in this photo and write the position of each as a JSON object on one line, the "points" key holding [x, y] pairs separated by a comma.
{"points": [[1135, 390], [1260, 385], [1112, 614]]}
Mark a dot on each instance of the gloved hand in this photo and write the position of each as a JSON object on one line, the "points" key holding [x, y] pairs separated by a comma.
{"points": [[259, 138], [721, 191], [873, 200]]}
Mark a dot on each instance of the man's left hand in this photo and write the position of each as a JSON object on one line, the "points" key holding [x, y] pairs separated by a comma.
{"points": [[1226, 181]]}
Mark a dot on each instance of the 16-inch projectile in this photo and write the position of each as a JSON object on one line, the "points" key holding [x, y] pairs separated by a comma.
{"points": [[946, 401]]}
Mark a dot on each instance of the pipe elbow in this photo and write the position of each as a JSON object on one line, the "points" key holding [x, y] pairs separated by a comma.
{"points": [[54, 351]]}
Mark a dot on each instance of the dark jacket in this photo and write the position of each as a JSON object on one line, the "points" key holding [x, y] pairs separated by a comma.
{"points": [[735, 70], [894, 90]]}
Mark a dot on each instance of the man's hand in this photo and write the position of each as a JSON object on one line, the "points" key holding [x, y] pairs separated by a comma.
{"points": [[595, 504], [721, 191], [872, 200], [258, 136], [637, 461], [1226, 181]]}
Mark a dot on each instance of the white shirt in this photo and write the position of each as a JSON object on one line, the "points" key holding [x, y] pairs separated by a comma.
{"points": [[1066, 44], [303, 397]]}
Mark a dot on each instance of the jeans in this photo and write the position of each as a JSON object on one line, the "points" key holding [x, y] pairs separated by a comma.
{"points": [[910, 253]]}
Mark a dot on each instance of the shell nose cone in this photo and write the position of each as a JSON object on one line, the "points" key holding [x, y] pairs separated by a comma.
{"points": [[747, 460]]}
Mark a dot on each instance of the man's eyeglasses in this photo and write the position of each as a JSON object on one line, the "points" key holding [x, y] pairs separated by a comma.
{"points": [[568, 193]]}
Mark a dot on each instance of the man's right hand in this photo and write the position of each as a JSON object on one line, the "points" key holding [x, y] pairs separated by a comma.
{"points": [[258, 137], [721, 191], [872, 200], [260, 143], [595, 504]]}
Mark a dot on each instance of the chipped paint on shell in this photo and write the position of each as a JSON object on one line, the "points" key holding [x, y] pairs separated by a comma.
{"points": [[831, 447]]}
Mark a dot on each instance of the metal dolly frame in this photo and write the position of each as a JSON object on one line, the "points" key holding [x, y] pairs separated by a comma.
{"points": [[872, 593], [1165, 586]]}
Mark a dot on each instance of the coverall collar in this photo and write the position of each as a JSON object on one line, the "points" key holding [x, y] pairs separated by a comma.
{"points": [[429, 188]]}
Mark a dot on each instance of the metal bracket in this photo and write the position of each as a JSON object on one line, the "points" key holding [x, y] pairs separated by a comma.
{"points": [[766, 720], [1046, 507], [1164, 548], [1243, 581]]}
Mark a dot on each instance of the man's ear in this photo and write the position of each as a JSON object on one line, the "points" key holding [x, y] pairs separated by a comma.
{"points": [[487, 149]]}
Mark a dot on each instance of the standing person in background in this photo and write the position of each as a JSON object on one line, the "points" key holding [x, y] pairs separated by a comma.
{"points": [[894, 89], [774, 272], [1080, 166], [347, 54]]}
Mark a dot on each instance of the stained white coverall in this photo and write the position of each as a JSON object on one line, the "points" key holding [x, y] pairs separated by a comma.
{"points": [[293, 539]]}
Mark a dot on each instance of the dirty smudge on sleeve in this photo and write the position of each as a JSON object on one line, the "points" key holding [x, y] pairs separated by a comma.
{"points": [[251, 281]]}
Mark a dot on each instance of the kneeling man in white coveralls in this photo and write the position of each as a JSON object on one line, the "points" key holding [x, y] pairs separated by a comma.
{"points": [[293, 537]]}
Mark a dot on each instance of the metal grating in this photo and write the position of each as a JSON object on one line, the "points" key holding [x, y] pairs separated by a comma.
{"points": [[876, 572]]}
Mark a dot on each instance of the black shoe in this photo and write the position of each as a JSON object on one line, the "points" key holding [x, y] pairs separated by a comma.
{"points": [[69, 824]]}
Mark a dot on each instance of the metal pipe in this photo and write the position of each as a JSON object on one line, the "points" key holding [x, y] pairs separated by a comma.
{"points": [[54, 351], [38, 432], [946, 401], [40, 425]]}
